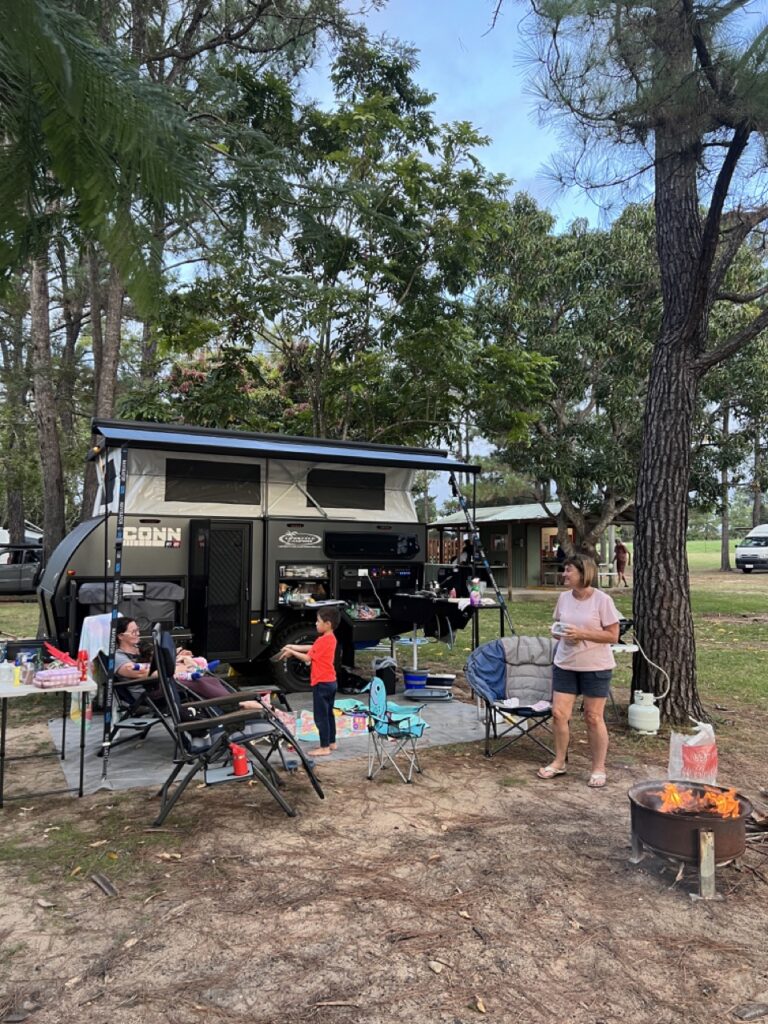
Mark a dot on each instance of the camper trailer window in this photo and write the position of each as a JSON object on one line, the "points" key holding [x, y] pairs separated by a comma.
{"points": [[230, 483], [335, 488]]}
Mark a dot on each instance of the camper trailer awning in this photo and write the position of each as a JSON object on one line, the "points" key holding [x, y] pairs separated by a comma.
{"points": [[168, 437]]}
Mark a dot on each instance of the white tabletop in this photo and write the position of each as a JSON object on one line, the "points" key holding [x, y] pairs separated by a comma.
{"points": [[9, 690]]}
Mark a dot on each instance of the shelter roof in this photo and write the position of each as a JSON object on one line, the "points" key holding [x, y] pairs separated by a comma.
{"points": [[502, 514], [530, 513], [179, 437]]}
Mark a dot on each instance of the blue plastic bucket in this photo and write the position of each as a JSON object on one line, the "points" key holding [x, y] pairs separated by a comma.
{"points": [[414, 680]]}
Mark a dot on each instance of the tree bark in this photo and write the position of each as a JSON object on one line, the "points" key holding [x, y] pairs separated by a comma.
{"points": [[45, 407], [14, 450], [662, 607], [106, 352]]}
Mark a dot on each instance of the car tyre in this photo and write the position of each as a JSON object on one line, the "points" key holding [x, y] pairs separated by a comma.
{"points": [[746, 570], [293, 675]]}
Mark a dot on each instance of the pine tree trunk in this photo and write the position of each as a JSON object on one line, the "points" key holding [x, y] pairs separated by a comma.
{"points": [[662, 605], [45, 407]]}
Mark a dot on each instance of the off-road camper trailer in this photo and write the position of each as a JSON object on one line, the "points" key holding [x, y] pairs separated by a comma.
{"points": [[236, 535]]}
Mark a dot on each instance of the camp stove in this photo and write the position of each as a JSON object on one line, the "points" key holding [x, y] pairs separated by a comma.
{"points": [[687, 823]]}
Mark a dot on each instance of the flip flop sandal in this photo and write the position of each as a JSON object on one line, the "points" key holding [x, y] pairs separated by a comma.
{"points": [[597, 780], [550, 772]]}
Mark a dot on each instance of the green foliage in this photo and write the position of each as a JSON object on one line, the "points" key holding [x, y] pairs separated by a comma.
{"points": [[586, 303], [84, 136]]}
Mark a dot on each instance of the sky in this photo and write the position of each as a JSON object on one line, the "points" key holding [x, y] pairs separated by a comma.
{"points": [[479, 74]]}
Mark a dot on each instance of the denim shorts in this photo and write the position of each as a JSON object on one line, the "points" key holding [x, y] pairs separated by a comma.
{"points": [[584, 684]]}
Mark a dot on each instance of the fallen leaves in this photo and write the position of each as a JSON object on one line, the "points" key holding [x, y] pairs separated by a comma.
{"points": [[479, 1004], [436, 966], [45, 904]]}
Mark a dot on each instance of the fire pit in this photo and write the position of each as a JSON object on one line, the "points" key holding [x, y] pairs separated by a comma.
{"points": [[689, 824]]}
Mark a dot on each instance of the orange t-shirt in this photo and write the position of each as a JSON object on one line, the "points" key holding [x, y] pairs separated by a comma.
{"points": [[322, 652]]}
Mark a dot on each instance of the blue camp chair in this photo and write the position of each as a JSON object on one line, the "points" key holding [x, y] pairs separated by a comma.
{"points": [[392, 731]]}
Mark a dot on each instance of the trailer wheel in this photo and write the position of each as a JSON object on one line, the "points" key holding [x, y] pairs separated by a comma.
{"points": [[293, 675]]}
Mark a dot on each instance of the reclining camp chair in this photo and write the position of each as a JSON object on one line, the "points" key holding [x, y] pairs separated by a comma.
{"points": [[136, 708], [513, 679], [393, 731], [204, 729]]}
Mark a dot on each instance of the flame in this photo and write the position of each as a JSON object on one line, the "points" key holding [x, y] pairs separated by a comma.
{"points": [[725, 804]]}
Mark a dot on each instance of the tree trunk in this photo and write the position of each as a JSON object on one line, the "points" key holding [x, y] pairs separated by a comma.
{"points": [[106, 348], [725, 529], [662, 604], [14, 449], [757, 480], [662, 607], [45, 408]]}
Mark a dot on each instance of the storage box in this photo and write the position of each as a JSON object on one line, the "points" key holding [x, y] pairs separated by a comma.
{"points": [[442, 680]]}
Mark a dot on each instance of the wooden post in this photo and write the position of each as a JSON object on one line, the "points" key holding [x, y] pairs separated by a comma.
{"points": [[638, 851], [707, 890]]}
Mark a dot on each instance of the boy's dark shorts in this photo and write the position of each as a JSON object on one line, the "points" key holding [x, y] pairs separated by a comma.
{"points": [[584, 684]]}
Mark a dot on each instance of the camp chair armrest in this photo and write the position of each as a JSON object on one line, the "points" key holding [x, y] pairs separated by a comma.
{"points": [[204, 724], [227, 698]]}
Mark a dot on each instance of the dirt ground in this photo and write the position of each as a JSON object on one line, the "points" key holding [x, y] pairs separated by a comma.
{"points": [[476, 893]]}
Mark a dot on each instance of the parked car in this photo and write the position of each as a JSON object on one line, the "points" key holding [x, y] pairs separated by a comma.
{"points": [[752, 550], [20, 568]]}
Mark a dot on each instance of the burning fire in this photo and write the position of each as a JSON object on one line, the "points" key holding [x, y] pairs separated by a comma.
{"points": [[709, 801]]}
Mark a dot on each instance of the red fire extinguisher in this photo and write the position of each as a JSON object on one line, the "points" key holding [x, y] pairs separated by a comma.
{"points": [[239, 760]]}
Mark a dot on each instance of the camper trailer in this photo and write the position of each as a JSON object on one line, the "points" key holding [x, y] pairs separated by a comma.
{"points": [[238, 536]]}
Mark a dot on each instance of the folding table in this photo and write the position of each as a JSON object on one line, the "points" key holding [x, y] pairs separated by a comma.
{"points": [[10, 692]]}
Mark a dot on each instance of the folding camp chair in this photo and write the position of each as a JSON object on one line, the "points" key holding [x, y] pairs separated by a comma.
{"points": [[392, 731], [203, 731], [513, 679], [137, 708]]}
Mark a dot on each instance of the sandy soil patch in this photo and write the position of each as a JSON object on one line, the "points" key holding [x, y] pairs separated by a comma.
{"points": [[478, 887]]}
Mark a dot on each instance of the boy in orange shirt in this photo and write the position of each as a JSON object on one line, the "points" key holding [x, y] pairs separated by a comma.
{"points": [[320, 656]]}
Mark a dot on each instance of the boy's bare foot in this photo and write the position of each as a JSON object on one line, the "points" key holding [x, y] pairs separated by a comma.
{"points": [[251, 705], [320, 752], [333, 746]]}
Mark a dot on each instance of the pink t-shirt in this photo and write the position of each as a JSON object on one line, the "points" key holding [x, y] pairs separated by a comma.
{"points": [[594, 612]]}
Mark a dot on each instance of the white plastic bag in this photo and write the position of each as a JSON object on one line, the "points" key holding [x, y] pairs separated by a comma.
{"points": [[694, 757]]}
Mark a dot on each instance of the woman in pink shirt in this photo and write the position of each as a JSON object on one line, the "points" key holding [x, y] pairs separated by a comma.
{"points": [[586, 624]]}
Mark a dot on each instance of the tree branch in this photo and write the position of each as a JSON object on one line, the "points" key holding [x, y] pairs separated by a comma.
{"points": [[709, 359], [742, 298]]}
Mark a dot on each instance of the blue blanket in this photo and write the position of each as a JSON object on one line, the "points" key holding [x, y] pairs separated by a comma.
{"points": [[486, 671]]}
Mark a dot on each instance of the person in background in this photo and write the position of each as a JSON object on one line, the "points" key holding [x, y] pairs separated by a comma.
{"points": [[621, 558], [467, 555], [320, 656], [588, 623]]}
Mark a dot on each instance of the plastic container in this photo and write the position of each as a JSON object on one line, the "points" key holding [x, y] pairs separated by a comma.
{"points": [[444, 680], [414, 680], [386, 670]]}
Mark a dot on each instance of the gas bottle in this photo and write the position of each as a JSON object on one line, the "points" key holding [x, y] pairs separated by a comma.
{"points": [[644, 716], [239, 760]]}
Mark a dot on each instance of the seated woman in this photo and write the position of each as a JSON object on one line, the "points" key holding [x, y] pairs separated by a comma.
{"points": [[130, 666]]}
